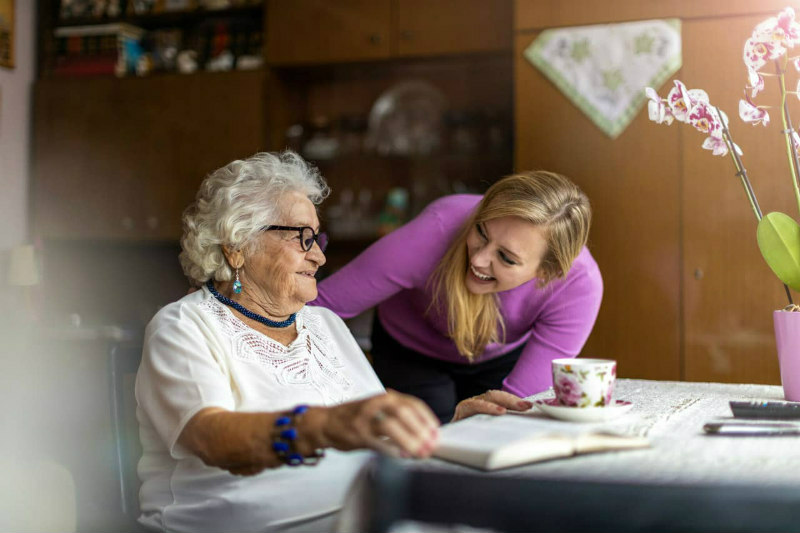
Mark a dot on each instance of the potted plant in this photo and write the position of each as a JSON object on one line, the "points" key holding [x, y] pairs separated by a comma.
{"points": [[766, 56]]}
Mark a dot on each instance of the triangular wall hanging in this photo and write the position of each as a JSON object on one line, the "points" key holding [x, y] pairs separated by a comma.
{"points": [[603, 69]]}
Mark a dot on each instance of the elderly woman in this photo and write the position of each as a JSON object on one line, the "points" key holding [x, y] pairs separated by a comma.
{"points": [[240, 381]]}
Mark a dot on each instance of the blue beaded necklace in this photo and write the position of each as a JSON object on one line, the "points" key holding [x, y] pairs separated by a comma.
{"points": [[249, 314]]}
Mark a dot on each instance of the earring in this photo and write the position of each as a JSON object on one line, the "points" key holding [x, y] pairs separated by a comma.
{"points": [[237, 285]]}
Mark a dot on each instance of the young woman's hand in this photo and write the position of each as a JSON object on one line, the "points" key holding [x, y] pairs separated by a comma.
{"points": [[492, 402]]}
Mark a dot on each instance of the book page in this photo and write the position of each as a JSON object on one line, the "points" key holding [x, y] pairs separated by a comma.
{"points": [[486, 432], [491, 442]]}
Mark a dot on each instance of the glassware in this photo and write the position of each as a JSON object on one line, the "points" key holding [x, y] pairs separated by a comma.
{"points": [[321, 145]]}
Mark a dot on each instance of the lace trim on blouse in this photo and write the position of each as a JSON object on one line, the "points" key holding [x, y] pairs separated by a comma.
{"points": [[310, 360]]}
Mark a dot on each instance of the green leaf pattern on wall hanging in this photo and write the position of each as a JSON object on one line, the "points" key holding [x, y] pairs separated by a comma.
{"points": [[603, 69]]}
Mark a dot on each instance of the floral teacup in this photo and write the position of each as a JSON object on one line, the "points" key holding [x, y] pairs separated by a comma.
{"points": [[584, 382]]}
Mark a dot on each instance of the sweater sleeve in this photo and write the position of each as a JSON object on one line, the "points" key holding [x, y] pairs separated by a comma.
{"points": [[560, 331], [403, 259], [179, 375]]}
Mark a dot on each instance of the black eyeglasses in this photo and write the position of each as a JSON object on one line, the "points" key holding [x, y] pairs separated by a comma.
{"points": [[307, 236]]}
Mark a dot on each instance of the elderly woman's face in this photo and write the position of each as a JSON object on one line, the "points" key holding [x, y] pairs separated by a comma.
{"points": [[279, 266]]}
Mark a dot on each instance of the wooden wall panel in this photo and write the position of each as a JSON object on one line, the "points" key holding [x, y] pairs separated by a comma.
{"points": [[666, 209], [729, 332], [540, 14], [634, 186]]}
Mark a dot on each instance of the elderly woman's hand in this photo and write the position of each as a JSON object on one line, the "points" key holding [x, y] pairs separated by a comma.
{"points": [[392, 423], [493, 402]]}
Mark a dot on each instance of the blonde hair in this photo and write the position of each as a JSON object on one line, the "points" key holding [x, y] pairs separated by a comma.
{"points": [[234, 203], [545, 199]]}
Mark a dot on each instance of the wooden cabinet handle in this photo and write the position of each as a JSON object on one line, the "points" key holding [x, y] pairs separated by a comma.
{"points": [[375, 38], [127, 223], [698, 273], [406, 35]]}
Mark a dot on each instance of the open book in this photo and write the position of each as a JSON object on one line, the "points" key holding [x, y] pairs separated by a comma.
{"points": [[493, 442]]}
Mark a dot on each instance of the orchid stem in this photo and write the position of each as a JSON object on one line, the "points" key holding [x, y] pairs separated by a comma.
{"points": [[740, 170], [748, 189], [791, 150]]}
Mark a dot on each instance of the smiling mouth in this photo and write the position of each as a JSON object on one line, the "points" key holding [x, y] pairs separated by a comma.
{"points": [[307, 274], [480, 276]]}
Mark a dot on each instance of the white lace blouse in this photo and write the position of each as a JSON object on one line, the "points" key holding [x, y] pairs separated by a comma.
{"points": [[197, 354]]}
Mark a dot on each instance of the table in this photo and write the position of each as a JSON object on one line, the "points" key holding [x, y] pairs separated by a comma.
{"points": [[687, 480]]}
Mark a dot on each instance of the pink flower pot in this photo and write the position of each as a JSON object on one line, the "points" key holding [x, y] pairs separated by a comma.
{"points": [[787, 337]]}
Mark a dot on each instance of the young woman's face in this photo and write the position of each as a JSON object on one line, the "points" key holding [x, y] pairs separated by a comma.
{"points": [[503, 253]]}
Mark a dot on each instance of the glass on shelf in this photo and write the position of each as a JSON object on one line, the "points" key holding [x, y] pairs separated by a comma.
{"points": [[462, 131], [496, 128], [350, 218], [295, 137], [352, 129], [164, 45], [406, 120], [88, 9], [321, 144]]}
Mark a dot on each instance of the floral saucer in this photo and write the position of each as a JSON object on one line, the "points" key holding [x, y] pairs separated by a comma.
{"points": [[550, 407]]}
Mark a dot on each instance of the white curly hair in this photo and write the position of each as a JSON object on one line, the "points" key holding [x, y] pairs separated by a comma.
{"points": [[234, 203]]}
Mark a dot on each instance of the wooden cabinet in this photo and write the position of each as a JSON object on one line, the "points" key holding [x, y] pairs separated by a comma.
{"points": [[319, 31], [121, 159], [451, 26], [361, 176], [687, 294]]}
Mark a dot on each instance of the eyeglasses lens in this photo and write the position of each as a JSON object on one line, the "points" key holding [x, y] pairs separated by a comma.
{"points": [[307, 237]]}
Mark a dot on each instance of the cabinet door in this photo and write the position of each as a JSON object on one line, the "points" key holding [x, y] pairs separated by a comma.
{"points": [[321, 31], [451, 26], [121, 158], [632, 183]]}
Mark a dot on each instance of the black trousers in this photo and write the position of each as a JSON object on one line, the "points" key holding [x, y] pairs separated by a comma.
{"points": [[440, 384]]}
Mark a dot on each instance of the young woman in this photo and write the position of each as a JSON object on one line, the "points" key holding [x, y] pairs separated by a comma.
{"points": [[477, 292]]}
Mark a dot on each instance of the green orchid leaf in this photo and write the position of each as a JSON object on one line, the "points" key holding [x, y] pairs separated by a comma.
{"points": [[779, 241]]}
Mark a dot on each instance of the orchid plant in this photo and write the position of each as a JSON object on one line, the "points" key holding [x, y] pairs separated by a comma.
{"points": [[778, 234]]}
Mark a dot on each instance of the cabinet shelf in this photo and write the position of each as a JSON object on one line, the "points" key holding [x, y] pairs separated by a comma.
{"points": [[92, 46], [425, 177], [200, 74], [166, 19]]}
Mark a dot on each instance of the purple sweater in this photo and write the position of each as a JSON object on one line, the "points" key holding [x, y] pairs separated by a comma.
{"points": [[393, 274]]}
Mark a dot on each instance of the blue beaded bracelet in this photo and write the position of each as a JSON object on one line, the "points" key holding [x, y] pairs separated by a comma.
{"points": [[284, 437]]}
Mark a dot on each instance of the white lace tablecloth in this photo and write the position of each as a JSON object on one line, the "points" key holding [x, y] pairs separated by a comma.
{"points": [[671, 415]]}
